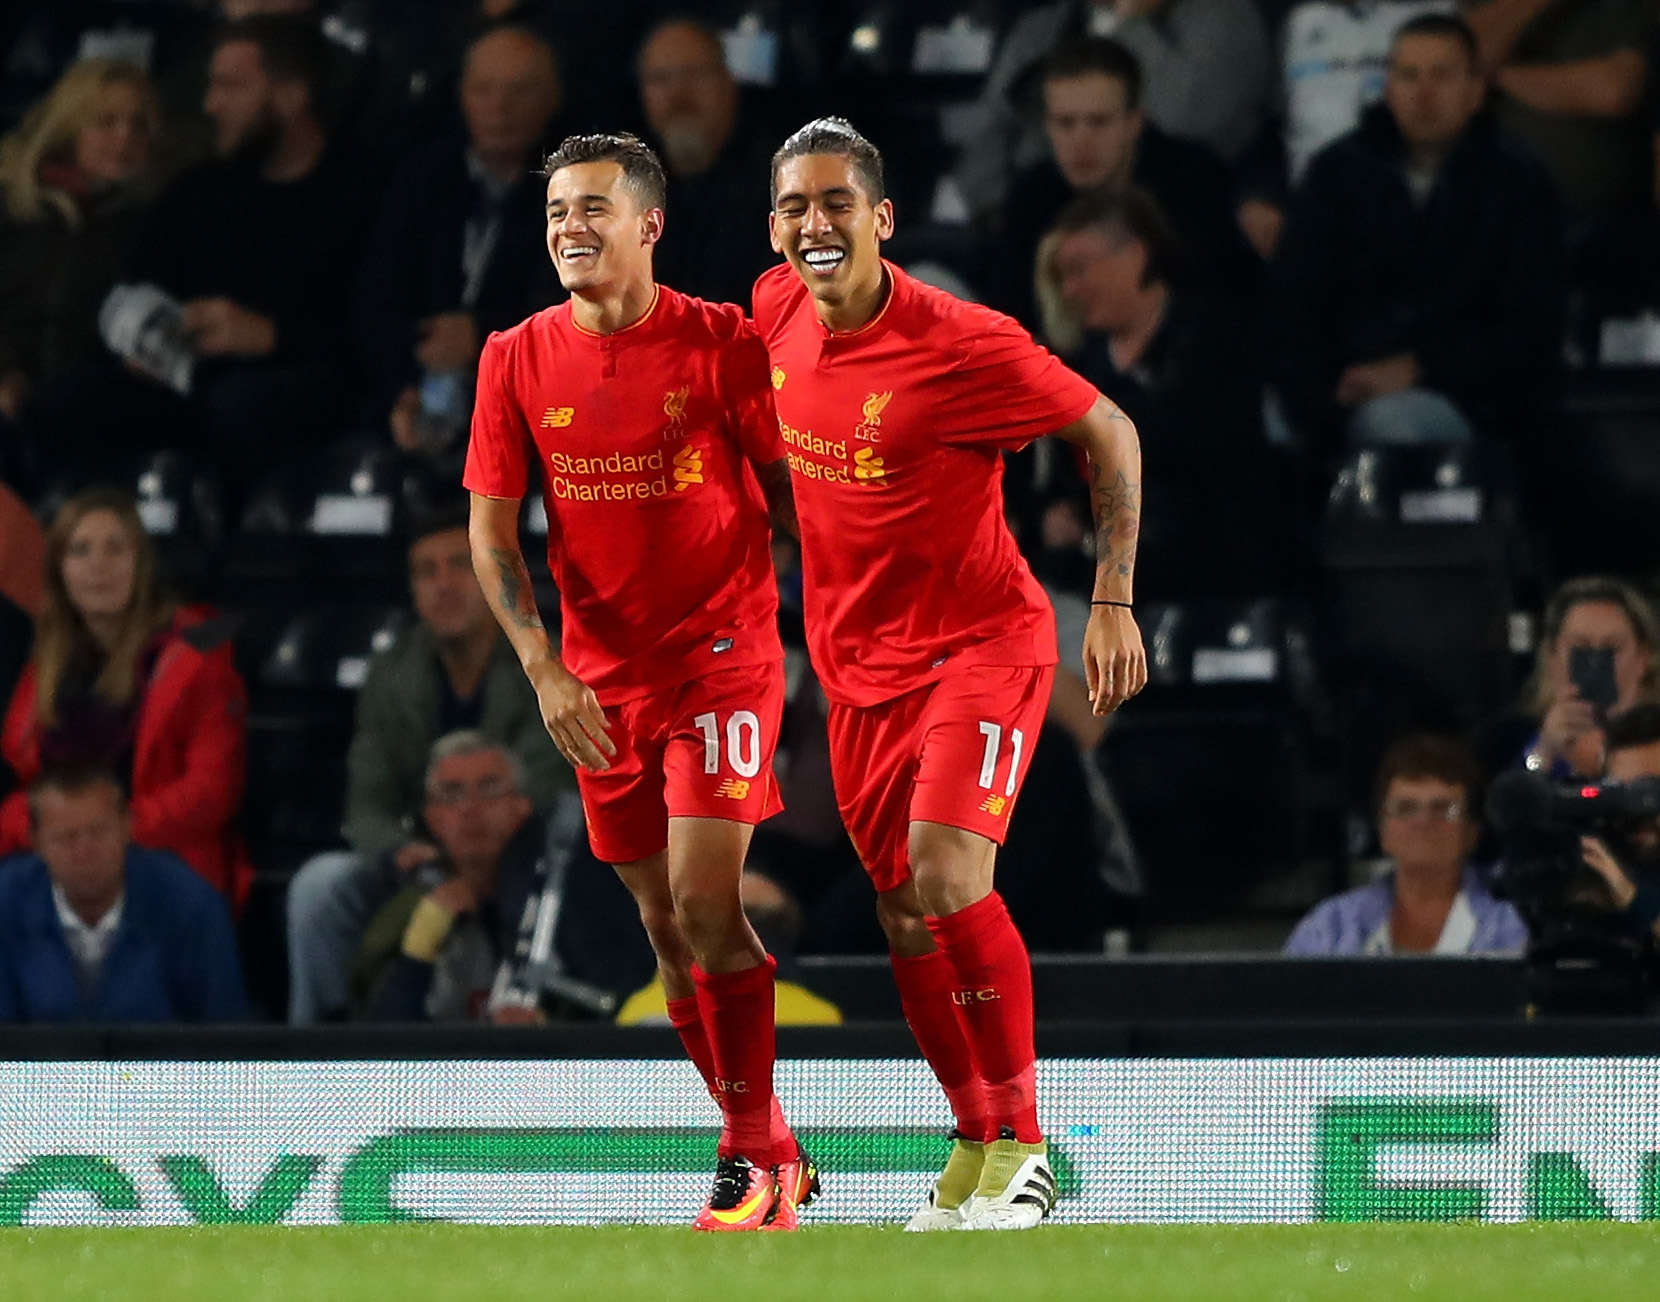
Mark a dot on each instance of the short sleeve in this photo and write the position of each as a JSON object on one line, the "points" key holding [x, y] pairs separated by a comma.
{"points": [[1009, 390], [746, 376], [497, 450]]}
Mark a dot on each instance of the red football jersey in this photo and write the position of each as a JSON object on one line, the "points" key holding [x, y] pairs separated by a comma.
{"points": [[894, 434], [657, 528]]}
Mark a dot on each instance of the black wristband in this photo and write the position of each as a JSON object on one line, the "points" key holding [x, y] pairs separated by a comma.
{"points": [[1645, 904], [1101, 602]]}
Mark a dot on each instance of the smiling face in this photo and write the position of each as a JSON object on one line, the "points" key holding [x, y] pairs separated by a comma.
{"points": [[599, 237], [825, 223]]}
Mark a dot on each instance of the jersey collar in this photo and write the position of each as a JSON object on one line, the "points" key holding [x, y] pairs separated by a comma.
{"points": [[895, 288], [650, 312]]}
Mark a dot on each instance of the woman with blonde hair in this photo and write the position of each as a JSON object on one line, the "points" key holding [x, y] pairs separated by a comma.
{"points": [[73, 177], [124, 680], [1599, 614]]}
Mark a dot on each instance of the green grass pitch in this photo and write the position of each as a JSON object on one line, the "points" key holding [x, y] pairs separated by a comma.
{"points": [[1469, 1263]]}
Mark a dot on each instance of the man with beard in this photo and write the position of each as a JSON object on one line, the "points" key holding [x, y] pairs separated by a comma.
{"points": [[716, 164], [258, 246]]}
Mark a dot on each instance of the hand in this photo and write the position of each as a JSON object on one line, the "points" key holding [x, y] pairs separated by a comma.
{"points": [[514, 1015], [220, 328], [449, 342], [14, 388], [402, 420], [1115, 663], [1597, 855], [455, 896], [1569, 732], [1262, 223], [571, 713], [1367, 380], [407, 858]]}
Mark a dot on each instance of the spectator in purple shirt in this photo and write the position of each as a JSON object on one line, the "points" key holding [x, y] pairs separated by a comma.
{"points": [[1432, 902]]}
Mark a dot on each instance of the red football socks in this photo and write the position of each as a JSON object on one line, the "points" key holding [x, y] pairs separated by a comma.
{"points": [[688, 1021], [993, 987], [736, 1009], [925, 984]]}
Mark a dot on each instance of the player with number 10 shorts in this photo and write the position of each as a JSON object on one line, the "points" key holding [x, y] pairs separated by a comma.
{"points": [[649, 415]]}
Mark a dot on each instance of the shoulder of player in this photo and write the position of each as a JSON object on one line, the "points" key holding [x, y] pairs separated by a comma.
{"points": [[956, 325], [778, 292], [537, 325], [722, 322]]}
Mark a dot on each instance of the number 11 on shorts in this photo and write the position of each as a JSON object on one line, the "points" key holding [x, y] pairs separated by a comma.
{"points": [[743, 742], [993, 733]]}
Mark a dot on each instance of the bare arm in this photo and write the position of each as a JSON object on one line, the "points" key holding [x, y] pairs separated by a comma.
{"points": [[1609, 87], [780, 495], [570, 710], [1115, 663], [1498, 25]]}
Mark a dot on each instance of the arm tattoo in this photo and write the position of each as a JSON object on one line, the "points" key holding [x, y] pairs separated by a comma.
{"points": [[775, 485], [518, 601], [1117, 521]]}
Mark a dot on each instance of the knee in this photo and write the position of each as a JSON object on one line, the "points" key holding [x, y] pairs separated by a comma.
{"points": [[902, 923], [707, 916], [319, 884]]}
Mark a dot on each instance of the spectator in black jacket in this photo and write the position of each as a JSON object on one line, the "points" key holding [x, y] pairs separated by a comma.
{"points": [[257, 246], [1116, 304], [1419, 291], [458, 251], [714, 242], [1100, 140]]}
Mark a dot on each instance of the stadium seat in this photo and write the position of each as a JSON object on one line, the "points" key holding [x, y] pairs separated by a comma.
{"points": [[1220, 766]]}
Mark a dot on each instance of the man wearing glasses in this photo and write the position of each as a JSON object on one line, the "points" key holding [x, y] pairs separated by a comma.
{"points": [[1433, 901]]}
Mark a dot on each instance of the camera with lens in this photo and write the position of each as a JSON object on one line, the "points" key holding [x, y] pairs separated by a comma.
{"points": [[1584, 954]]}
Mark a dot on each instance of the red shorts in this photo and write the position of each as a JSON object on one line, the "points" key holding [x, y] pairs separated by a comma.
{"points": [[953, 752], [702, 749]]}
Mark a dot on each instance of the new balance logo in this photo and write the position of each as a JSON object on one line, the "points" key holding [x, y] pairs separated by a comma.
{"points": [[733, 789], [994, 805], [963, 998], [778, 377], [557, 417], [867, 465], [688, 468]]}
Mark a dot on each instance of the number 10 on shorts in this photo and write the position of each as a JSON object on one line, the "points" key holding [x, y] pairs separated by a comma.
{"points": [[743, 742], [993, 733]]}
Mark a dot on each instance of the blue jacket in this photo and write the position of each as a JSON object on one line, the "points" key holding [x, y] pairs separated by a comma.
{"points": [[173, 958]]}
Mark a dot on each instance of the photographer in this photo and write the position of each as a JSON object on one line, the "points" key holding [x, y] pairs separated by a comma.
{"points": [[1433, 902], [1633, 753]]}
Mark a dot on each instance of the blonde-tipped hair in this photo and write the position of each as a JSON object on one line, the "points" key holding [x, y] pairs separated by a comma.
{"points": [[1062, 330], [61, 633], [49, 130]]}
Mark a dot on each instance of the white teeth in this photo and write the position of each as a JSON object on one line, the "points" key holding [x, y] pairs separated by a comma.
{"points": [[581, 251], [822, 257]]}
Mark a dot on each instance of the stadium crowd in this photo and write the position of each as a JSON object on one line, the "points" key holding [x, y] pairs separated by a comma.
{"points": [[1378, 284]]}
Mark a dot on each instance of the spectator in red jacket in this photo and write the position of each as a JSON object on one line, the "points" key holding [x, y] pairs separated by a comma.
{"points": [[123, 679]]}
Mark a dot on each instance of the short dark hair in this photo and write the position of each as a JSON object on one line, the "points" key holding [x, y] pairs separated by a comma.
{"points": [[1136, 212], [642, 169], [72, 780], [841, 138], [1429, 755], [1450, 26], [1096, 56], [292, 47], [1638, 726], [439, 517]]}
